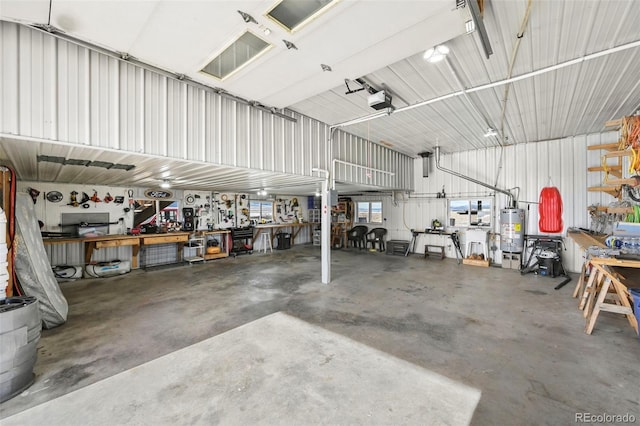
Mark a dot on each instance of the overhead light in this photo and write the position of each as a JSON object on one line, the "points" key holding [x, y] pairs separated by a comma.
{"points": [[266, 31], [262, 193], [325, 67], [490, 132], [318, 193], [246, 17], [436, 54], [165, 184]]}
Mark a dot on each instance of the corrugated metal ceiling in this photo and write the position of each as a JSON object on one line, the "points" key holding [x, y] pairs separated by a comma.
{"points": [[577, 99]]}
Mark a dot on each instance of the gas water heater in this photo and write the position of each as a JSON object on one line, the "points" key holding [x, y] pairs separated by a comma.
{"points": [[512, 230]]}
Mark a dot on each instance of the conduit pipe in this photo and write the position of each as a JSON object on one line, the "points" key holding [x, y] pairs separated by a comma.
{"points": [[511, 200]]}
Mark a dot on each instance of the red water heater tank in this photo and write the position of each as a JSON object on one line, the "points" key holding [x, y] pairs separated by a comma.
{"points": [[550, 210]]}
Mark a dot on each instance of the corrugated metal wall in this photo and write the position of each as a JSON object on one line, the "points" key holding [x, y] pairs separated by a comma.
{"points": [[53, 89], [528, 166], [372, 157]]}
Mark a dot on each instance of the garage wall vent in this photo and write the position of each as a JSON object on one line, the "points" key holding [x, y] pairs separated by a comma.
{"points": [[244, 49], [293, 14]]}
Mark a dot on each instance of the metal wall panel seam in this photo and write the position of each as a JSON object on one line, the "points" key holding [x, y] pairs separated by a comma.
{"points": [[249, 137], [218, 103], [165, 113], [143, 110], [184, 121], [203, 125]]}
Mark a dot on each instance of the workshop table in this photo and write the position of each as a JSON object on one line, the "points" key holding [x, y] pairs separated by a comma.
{"points": [[293, 228]]}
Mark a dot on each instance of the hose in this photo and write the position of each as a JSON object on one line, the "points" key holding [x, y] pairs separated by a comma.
{"points": [[512, 61]]}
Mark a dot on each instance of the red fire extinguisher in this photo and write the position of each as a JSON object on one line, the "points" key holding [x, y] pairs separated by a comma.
{"points": [[550, 210]]}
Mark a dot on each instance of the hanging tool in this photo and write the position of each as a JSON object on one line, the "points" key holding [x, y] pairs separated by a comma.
{"points": [[34, 194], [54, 196], [130, 194], [455, 238], [119, 199], [95, 197], [108, 198], [73, 201]]}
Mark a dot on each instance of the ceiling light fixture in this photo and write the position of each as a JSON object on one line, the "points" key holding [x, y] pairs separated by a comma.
{"points": [[436, 54], [246, 17], [165, 184], [266, 31], [490, 132], [325, 67], [318, 193]]}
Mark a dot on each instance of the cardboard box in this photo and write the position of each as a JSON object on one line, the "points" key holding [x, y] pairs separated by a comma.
{"points": [[476, 262]]}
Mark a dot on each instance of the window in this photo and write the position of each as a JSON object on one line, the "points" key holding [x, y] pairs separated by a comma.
{"points": [[369, 212], [474, 212], [261, 211]]}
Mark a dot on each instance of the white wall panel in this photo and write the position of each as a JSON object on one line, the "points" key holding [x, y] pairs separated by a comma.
{"points": [[54, 89], [528, 166], [363, 167]]}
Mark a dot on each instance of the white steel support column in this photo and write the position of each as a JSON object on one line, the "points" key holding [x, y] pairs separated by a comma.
{"points": [[325, 232], [325, 229]]}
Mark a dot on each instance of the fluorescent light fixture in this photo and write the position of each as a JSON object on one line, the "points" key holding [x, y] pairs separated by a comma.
{"points": [[490, 132], [165, 184], [436, 54]]}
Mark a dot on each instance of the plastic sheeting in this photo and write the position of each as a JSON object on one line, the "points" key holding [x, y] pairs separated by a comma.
{"points": [[32, 265]]}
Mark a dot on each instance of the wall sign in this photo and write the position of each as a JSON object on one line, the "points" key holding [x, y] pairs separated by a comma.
{"points": [[158, 194]]}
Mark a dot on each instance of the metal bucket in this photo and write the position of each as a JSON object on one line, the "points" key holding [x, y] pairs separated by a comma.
{"points": [[20, 327]]}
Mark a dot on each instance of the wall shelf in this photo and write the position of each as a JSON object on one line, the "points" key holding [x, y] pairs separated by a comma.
{"points": [[615, 170], [606, 146], [612, 190]]}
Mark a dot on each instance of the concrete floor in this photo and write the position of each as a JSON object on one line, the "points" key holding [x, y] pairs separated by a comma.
{"points": [[513, 337]]}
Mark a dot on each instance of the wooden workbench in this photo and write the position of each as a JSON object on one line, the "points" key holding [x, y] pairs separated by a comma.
{"points": [[135, 241], [275, 228], [605, 289], [585, 240]]}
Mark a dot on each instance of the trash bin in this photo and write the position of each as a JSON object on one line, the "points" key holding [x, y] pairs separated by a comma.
{"points": [[284, 241], [20, 327], [635, 294]]}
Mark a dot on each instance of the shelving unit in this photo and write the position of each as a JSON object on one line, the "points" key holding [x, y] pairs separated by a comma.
{"points": [[222, 236], [197, 243], [314, 216], [612, 187]]}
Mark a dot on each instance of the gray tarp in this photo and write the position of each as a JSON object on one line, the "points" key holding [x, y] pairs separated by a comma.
{"points": [[32, 265]]}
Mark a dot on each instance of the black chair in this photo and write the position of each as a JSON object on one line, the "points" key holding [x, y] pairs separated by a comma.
{"points": [[357, 236], [376, 235]]}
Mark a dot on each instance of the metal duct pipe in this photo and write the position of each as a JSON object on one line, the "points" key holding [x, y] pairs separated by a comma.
{"points": [[511, 199]]}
